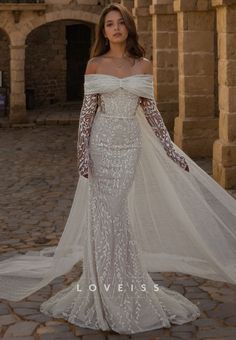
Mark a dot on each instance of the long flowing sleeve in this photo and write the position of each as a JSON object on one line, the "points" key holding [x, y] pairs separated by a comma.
{"points": [[87, 113], [155, 120]]}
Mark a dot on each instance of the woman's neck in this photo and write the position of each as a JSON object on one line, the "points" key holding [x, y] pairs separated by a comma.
{"points": [[117, 51]]}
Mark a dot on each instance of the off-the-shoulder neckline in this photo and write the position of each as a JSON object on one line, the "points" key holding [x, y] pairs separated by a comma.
{"points": [[110, 75]]}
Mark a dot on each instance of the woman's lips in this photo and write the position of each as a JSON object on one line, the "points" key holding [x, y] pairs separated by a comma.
{"points": [[116, 34]]}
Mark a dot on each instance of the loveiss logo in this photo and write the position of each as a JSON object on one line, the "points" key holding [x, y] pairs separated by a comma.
{"points": [[119, 287]]}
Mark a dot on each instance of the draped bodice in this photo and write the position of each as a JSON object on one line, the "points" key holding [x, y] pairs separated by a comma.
{"points": [[119, 97], [138, 84]]}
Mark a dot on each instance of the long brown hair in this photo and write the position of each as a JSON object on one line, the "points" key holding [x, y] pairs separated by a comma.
{"points": [[133, 47]]}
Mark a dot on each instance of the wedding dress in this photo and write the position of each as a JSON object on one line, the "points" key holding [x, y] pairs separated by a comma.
{"points": [[139, 211]]}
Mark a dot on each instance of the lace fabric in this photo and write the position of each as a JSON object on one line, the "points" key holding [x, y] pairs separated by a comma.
{"points": [[155, 120], [87, 113]]}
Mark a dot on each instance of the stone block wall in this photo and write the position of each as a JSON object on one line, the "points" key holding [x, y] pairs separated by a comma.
{"points": [[224, 148], [143, 22], [5, 64], [165, 60], [45, 65], [196, 127]]}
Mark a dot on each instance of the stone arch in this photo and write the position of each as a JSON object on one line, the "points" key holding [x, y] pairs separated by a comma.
{"points": [[5, 71], [4, 31], [56, 56], [65, 14]]}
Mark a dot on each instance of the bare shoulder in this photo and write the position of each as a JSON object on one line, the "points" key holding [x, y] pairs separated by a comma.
{"points": [[92, 65], [146, 65]]}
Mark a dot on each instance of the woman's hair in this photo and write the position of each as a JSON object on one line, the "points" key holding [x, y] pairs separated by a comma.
{"points": [[133, 47]]}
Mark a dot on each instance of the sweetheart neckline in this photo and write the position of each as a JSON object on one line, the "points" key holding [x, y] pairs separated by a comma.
{"points": [[110, 75]]}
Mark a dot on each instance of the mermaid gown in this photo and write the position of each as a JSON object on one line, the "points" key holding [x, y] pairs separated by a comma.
{"points": [[138, 211], [111, 255]]}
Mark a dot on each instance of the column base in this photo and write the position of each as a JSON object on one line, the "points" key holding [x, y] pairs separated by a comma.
{"points": [[195, 136], [224, 164], [18, 116]]}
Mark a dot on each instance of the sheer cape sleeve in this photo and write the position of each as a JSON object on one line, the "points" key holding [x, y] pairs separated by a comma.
{"points": [[155, 120], [180, 218]]}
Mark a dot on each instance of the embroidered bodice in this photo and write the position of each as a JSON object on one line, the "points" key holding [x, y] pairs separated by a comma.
{"points": [[119, 97], [128, 103]]}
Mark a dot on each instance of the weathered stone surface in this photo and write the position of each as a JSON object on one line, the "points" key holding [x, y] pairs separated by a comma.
{"points": [[223, 173], [187, 283], [21, 328], [40, 318], [59, 336], [223, 311], [53, 328], [79, 331], [217, 332], [183, 335], [4, 309], [177, 288], [183, 328], [207, 304], [206, 323], [119, 337], [230, 321], [7, 319], [199, 296], [19, 338], [25, 311]]}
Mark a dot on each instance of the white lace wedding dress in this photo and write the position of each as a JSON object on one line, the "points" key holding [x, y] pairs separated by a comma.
{"points": [[139, 211]]}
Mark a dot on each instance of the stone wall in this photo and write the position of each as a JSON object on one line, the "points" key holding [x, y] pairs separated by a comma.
{"points": [[4, 63], [46, 63], [165, 60], [224, 148], [196, 126]]}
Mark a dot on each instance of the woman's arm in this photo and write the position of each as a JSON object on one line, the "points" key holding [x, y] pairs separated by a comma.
{"points": [[87, 113], [155, 120]]}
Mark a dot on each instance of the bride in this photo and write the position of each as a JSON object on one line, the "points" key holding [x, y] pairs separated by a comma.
{"points": [[141, 205]]}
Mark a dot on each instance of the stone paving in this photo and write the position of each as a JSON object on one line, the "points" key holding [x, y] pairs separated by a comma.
{"points": [[58, 114], [38, 179]]}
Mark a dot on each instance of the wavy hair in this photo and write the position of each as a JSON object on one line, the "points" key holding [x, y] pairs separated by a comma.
{"points": [[133, 47]]}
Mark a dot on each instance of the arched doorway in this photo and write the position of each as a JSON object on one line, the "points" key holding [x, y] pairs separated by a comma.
{"points": [[56, 56], [78, 38], [4, 73]]}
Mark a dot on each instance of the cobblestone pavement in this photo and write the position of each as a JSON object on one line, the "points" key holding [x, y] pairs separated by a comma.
{"points": [[38, 179]]}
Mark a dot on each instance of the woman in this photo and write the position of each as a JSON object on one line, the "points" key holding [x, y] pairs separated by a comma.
{"points": [[139, 206]]}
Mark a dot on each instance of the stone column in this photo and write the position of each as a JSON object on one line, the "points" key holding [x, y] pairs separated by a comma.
{"points": [[165, 59], [17, 88], [143, 21], [196, 128], [224, 150], [128, 3]]}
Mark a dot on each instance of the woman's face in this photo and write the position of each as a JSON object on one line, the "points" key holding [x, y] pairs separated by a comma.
{"points": [[114, 27]]}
